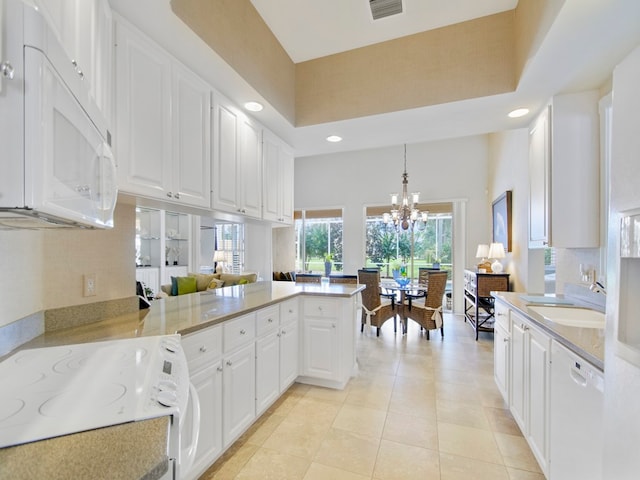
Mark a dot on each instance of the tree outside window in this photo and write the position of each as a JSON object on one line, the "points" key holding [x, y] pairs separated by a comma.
{"points": [[318, 234]]}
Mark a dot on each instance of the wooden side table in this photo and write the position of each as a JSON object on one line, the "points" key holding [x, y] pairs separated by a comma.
{"points": [[478, 302]]}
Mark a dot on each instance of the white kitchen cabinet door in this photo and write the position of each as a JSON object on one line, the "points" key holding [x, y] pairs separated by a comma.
{"points": [[518, 372], [191, 114], [250, 179], [539, 180], [267, 370], [539, 349], [208, 384], [239, 392], [501, 353], [278, 180], [143, 112], [289, 344], [237, 161], [225, 156], [320, 348]]}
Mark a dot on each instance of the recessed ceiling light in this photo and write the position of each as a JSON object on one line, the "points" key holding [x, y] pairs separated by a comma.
{"points": [[334, 138], [518, 112], [253, 106]]}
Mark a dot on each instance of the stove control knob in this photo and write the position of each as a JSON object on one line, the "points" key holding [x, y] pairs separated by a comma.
{"points": [[167, 398], [170, 345]]}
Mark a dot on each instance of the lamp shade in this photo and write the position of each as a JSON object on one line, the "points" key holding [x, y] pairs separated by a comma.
{"points": [[218, 256], [496, 250], [483, 251]]}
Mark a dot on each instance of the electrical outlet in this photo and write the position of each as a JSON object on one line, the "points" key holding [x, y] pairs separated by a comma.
{"points": [[89, 282]]}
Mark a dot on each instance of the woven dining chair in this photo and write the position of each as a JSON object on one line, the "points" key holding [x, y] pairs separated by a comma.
{"points": [[423, 280], [429, 314], [376, 307]]}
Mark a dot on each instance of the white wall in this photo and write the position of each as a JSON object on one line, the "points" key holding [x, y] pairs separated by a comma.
{"points": [[446, 170]]}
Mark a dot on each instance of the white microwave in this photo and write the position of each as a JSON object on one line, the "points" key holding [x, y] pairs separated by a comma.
{"points": [[57, 165]]}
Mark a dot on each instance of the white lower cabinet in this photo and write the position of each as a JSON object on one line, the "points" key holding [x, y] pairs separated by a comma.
{"points": [[328, 341], [267, 370], [238, 392], [289, 344], [522, 373]]}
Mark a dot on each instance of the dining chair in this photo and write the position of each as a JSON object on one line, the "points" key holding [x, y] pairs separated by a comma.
{"points": [[423, 281], [377, 308], [429, 314]]}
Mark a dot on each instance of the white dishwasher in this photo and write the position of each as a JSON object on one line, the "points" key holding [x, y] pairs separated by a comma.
{"points": [[576, 417]]}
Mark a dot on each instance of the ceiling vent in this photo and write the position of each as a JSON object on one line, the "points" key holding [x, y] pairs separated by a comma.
{"points": [[385, 8]]}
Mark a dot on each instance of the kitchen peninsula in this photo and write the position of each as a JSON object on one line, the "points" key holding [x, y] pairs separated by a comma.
{"points": [[320, 344]]}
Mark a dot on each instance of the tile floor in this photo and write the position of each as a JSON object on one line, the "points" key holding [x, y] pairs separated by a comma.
{"points": [[417, 409]]}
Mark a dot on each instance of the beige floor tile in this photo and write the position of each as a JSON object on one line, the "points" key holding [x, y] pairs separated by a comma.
{"points": [[268, 464], [458, 392], [516, 474], [361, 420], [502, 421], [454, 467], [421, 405], [468, 442], [348, 451], [262, 429], [230, 464], [327, 394], [450, 375], [466, 414], [372, 396], [410, 430], [314, 410], [406, 462], [516, 452], [318, 471], [295, 437]]}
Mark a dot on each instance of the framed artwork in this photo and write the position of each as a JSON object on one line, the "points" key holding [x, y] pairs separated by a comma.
{"points": [[501, 208]]}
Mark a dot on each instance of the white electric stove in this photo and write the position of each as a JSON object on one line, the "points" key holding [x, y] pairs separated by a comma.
{"points": [[48, 392]]}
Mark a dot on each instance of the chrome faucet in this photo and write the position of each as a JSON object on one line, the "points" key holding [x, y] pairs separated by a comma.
{"points": [[597, 287]]}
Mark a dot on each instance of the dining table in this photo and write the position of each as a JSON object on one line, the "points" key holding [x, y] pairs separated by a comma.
{"points": [[401, 291]]}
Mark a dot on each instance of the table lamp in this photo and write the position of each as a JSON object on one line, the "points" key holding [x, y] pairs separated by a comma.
{"points": [[218, 260], [483, 253], [496, 251]]}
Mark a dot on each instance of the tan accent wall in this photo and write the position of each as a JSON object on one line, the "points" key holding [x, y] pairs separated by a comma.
{"points": [[236, 32], [466, 60]]}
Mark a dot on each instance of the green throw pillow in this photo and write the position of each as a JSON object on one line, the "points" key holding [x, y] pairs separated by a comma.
{"points": [[243, 281], [187, 285]]}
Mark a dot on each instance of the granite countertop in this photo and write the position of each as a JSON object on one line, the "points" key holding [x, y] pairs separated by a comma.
{"points": [[186, 314], [586, 342], [130, 450], [138, 449]]}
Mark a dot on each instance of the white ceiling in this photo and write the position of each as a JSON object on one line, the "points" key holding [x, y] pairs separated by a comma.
{"points": [[312, 29], [587, 39]]}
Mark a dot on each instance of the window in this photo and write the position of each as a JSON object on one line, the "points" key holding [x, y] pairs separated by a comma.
{"points": [[427, 245], [318, 233], [229, 238]]}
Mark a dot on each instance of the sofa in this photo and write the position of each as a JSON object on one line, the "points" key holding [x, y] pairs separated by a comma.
{"points": [[200, 282]]}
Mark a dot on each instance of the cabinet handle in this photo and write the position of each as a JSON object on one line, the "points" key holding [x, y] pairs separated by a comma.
{"points": [[229, 363], [7, 70], [270, 320], [169, 194], [279, 334], [203, 349], [243, 332], [505, 340], [500, 314], [525, 328], [176, 195], [290, 311], [284, 332], [219, 369], [333, 325]]}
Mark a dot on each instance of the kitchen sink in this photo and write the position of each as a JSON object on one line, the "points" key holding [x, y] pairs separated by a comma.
{"points": [[571, 316]]}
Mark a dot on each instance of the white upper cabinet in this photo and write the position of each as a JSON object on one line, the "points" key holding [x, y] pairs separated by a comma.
{"points": [[564, 172], [277, 180], [84, 27], [163, 123], [237, 161]]}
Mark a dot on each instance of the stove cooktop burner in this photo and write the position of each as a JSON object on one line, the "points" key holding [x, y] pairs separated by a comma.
{"points": [[54, 391]]}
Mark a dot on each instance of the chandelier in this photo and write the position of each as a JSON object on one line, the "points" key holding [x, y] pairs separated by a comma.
{"points": [[405, 213]]}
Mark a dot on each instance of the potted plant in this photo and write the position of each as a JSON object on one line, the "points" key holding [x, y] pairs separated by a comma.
{"points": [[328, 259], [436, 262]]}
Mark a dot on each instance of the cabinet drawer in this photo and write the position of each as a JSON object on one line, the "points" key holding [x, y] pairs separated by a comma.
{"points": [[239, 331], [502, 316], [203, 347], [320, 308], [289, 310], [267, 319]]}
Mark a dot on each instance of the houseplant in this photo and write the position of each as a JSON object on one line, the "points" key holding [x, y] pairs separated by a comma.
{"points": [[328, 259]]}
